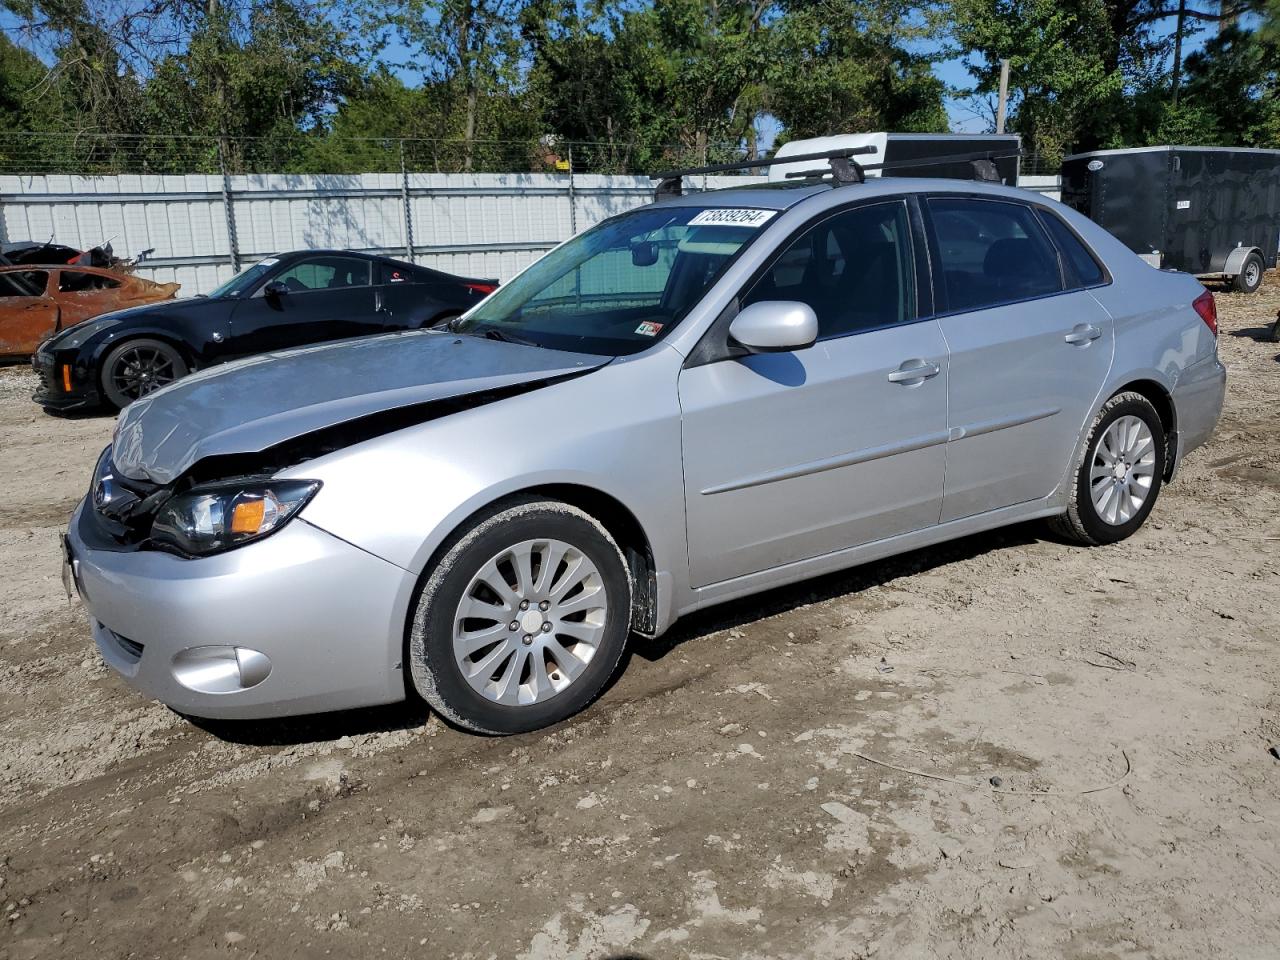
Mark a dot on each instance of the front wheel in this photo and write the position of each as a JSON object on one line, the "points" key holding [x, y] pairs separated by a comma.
{"points": [[523, 620], [137, 367], [1119, 474]]}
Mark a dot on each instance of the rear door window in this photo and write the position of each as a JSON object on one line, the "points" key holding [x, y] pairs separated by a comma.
{"points": [[1082, 269], [74, 281], [991, 252]]}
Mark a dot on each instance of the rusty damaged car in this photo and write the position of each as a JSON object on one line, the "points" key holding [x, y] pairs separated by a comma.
{"points": [[38, 301]]}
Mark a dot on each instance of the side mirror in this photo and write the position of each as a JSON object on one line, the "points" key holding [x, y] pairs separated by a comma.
{"points": [[775, 326], [644, 253], [275, 289]]}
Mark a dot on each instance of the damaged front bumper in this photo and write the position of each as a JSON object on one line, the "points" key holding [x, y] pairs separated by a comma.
{"points": [[50, 392], [301, 622]]}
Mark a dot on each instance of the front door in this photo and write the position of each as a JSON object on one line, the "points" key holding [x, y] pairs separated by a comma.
{"points": [[28, 314], [323, 297], [793, 455], [1030, 350]]}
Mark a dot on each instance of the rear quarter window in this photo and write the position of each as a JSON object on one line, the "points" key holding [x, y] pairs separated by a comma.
{"points": [[1083, 268]]}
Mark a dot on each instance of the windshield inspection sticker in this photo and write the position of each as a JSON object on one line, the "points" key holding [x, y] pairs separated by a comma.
{"points": [[649, 329], [732, 217]]}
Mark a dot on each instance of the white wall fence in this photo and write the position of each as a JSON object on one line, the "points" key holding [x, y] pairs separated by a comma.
{"points": [[205, 227]]}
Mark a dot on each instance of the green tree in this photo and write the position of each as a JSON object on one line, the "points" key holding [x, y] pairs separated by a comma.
{"points": [[843, 66], [1066, 86]]}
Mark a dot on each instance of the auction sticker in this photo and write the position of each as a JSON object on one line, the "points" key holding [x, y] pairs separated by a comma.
{"points": [[732, 217], [649, 329]]}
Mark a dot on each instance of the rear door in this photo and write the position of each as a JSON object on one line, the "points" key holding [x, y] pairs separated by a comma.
{"points": [[1030, 349], [790, 456], [28, 314], [326, 297]]}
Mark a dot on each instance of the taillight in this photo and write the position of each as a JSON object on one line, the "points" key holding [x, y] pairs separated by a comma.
{"points": [[481, 288], [1208, 310]]}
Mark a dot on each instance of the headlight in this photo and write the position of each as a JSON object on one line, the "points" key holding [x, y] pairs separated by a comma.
{"points": [[218, 516]]}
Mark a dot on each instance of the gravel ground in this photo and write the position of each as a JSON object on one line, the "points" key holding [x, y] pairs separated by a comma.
{"points": [[744, 790]]}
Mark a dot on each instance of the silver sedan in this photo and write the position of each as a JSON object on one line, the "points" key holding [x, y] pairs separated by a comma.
{"points": [[697, 400]]}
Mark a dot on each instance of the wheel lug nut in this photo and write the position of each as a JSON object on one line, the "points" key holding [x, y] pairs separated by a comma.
{"points": [[545, 605], [513, 625], [546, 628], [526, 639], [524, 604]]}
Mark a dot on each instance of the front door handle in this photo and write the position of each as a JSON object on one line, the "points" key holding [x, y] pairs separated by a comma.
{"points": [[1082, 334], [912, 372]]}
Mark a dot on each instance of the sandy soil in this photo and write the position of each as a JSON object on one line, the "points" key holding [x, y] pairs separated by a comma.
{"points": [[723, 799]]}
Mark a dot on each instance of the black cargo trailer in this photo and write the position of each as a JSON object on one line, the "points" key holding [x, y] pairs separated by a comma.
{"points": [[1211, 211]]}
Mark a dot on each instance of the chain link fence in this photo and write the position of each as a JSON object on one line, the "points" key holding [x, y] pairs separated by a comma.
{"points": [[92, 154]]}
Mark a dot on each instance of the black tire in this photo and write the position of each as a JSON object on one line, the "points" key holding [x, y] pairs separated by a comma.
{"points": [[1249, 278], [1082, 522], [433, 667], [120, 388]]}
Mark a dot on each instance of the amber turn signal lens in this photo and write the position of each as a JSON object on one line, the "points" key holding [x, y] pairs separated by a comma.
{"points": [[66, 377], [247, 516]]}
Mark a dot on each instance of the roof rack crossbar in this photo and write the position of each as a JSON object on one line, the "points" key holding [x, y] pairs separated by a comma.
{"points": [[845, 170], [671, 180]]}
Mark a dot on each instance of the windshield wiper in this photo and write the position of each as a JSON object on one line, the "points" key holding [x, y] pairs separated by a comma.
{"points": [[493, 333]]}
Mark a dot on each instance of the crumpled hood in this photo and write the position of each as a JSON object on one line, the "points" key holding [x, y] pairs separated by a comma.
{"points": [[253, 404]]}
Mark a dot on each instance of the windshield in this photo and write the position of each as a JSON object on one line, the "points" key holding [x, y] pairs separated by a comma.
{"points": [[245, 280], [621, 285]]}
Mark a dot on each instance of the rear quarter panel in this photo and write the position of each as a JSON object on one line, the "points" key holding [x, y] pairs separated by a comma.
{"points": [[1159, 337]]}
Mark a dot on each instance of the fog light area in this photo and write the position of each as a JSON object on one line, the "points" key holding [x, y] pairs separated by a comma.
{"points": [[220, 669]]}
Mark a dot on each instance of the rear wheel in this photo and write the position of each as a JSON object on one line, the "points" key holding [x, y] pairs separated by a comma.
{"points": [[135, 368], [523, 621], [1119, 474], [1249, 278]]}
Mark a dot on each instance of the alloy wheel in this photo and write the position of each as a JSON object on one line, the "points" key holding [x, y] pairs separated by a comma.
{"points": [[141, 370], [529, 622], [1123, 469]]}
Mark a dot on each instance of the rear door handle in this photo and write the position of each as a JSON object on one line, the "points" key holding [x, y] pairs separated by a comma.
{"points": [[914, 371], [1083, 334]]}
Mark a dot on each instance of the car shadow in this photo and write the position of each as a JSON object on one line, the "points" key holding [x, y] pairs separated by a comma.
{"points": [[413, 712], [316, 727], [770, 603]]}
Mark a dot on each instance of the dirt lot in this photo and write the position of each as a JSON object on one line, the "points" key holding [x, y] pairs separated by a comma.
{"points": [[720, 800]]}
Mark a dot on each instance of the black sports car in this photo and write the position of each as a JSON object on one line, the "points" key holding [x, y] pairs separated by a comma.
{"points": [[285, 301]]}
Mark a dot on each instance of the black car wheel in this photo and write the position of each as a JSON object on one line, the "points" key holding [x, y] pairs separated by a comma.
{"points": [[138, 367]]}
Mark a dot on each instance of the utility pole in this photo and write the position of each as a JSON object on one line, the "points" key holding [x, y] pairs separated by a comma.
{"points": [[1176, 82], [1003, 104]]}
